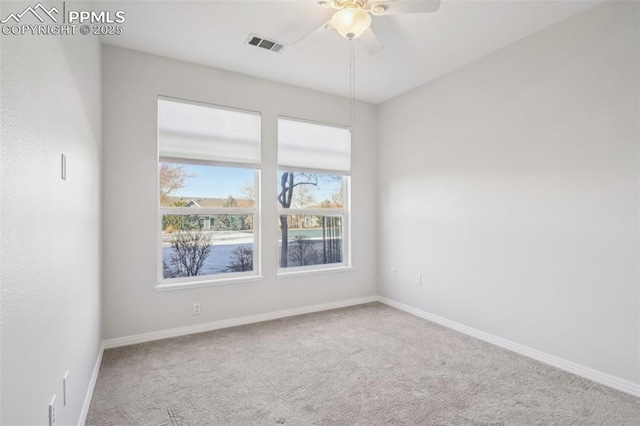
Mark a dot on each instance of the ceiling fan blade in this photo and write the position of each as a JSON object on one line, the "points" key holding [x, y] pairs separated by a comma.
{"points": [[384, 8], [313, 35], [370, 42]]}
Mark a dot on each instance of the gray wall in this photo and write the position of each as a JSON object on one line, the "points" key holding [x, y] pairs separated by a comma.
{"points": [[132, 82], [512, 186], [50, 229]]}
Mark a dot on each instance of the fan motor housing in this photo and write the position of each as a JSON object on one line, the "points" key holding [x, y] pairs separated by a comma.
{"points": [[340, 4]]}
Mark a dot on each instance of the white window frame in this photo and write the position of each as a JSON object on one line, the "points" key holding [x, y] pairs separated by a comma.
{"points": [[344, 213], [225, 278]]}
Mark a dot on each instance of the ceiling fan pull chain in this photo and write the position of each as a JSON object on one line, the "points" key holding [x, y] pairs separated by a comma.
{"points": [[352, 84]]}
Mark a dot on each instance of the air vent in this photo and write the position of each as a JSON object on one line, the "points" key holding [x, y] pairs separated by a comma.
{"points": [[263, 43]]}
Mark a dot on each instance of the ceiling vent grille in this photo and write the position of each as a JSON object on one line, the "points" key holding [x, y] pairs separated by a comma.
{"points": [[258, 41]]}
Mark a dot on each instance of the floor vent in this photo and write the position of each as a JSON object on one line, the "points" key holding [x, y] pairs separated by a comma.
{"points": [[264, 43]]}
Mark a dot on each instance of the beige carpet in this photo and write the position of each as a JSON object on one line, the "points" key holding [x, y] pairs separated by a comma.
{"points": [[364, 365]]}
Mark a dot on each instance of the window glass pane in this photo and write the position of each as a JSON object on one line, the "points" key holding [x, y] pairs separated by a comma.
{"points": [[298, 190], [205, 186], [196, 245], [310, 240]]}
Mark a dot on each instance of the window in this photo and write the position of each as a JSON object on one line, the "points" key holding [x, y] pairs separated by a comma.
{"points": [[314, 164], [208, 180]]}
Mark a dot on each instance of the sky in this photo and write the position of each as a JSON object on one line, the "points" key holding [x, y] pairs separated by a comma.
{"points": [[214, 182], [220, 182]]}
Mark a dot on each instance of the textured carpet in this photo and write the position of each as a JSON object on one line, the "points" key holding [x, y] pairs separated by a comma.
{"points": [[364, 365]]}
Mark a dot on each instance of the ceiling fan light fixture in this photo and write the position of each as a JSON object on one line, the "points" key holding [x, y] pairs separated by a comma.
{"points": [[351, 22]]}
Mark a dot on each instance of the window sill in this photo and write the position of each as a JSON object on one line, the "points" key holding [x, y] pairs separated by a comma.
{"points": [[208, 283], [320, 271]]}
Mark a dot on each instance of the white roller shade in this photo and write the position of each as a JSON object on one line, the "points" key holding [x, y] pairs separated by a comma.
{"points": [[193, 131], [303, 145]]}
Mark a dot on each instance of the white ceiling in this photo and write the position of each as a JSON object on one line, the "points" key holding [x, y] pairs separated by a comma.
{"points": [[418, 48]]}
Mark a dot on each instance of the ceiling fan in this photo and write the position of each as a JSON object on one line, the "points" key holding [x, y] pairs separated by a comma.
{"points": [[353, 18]]}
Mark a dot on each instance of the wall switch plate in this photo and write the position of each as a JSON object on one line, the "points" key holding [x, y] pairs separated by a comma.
{"points": [[52, 411], [63, 167], [394, 273], [65, 389], [419, 279], [196, 309]]}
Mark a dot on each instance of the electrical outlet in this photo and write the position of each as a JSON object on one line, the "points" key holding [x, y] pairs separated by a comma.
{"points": [[196, 309], [419, 279], [65, 389], [52, 411], [394, 273]]}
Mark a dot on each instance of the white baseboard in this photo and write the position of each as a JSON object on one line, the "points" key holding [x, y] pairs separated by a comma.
{"points": [[92, 385], [571, 367], [216, 325]]}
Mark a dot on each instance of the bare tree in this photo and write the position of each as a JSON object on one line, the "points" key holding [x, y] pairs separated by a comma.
{"points": [[230, 202], [288, 182], [303, 197], [303, 251], [191, 247], [248, 189], [229, 222], [241, 259], [171, 178], [336, 200]]}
